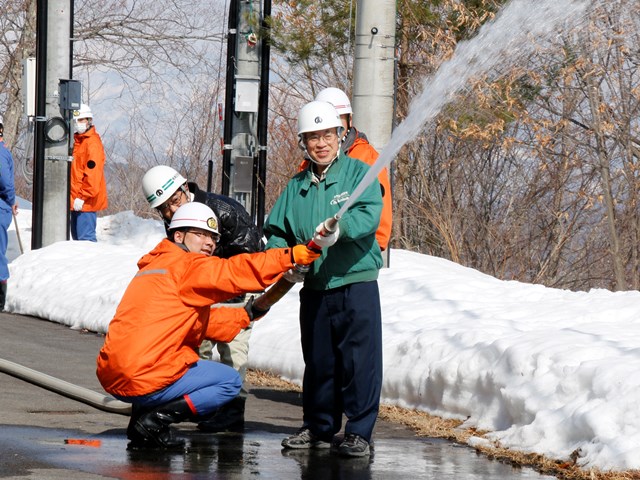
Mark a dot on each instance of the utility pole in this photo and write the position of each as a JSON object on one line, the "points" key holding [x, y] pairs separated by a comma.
{"points": [[50, 221], [245, 119], [374, 101]]}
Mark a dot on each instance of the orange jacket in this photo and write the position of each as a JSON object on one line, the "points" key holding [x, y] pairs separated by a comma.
{"points": [[362, 150], [87, 171], [164, 313]]}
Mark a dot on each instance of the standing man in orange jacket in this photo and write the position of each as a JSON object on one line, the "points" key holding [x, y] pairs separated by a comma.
{"points": [[88, 185], [355, 145]]}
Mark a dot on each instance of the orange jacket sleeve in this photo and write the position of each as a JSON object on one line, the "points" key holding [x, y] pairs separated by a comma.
{"points": [[225, 323], [219, 279]]}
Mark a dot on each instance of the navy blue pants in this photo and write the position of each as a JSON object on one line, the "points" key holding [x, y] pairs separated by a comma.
{"points": [[341, 333]]}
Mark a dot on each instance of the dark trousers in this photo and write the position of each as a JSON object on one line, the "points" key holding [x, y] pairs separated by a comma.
{"points": [[341, 333]]}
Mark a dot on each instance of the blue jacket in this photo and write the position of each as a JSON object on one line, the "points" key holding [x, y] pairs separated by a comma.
{"points": [[7, 190], [305, 203]]}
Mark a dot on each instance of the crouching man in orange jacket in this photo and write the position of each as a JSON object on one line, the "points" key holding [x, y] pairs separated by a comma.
{"points": [[150, 357]]}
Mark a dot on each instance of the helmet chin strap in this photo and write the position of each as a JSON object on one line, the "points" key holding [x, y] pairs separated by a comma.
{"points": [[182, 245], [340, 131], [322, 164]]}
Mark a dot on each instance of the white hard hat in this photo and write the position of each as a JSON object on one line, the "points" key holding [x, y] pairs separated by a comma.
{"points": [[159, 183], [84, 112], [315, 116], [197, 215], [337, 98]]}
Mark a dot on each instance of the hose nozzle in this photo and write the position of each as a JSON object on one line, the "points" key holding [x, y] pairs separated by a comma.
{"points": [[328, 227]]}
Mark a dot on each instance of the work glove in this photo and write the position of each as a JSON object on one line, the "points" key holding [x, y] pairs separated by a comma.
{"points": [[77, 204], [254, 313], [302, 255], [323, 237]]}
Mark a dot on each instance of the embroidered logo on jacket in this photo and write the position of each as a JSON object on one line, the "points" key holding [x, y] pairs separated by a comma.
{"points": [[340, 198]]}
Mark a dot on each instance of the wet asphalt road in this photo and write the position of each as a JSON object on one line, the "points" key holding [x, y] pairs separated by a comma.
{"points": [[46, 436]]}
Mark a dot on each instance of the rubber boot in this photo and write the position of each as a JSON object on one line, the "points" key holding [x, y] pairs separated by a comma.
{"points": [[137, 440], [3, 294], [153, 427], [228, 418]]}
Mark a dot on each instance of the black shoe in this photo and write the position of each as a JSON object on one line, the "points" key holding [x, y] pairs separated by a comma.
{"points": [[152, 428], [354, 445], [228, 418]]}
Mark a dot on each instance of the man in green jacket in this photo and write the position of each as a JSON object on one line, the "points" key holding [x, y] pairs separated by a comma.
{"points": [[340, 318]]}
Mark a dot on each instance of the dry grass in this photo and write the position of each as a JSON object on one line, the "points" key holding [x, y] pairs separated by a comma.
{"points": [[426, 425]]}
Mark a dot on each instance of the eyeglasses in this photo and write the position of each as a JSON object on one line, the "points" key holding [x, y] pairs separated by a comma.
{"points": [[175, 200], [315, 137], [201, 233]]}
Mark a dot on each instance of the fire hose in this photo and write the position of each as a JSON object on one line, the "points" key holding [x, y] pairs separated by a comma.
{"points": [[66, 389], [109, 404]]}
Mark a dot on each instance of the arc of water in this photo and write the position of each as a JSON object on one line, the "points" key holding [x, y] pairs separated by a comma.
{"points": [[510, 34]]}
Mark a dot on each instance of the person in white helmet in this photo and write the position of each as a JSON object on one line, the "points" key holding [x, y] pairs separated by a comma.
{"points": [[166, 190], [355, 144], [340, 317], [8, 208], [149, 355], [88, 186]]}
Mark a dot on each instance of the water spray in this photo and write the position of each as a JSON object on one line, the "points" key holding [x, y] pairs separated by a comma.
{"points": [[511, 32]]}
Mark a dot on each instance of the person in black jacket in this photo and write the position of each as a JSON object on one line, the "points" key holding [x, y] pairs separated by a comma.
{"points": [[166, 190]]}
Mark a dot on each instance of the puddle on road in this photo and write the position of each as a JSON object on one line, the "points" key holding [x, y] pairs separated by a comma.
{"points": [[250, 455]]}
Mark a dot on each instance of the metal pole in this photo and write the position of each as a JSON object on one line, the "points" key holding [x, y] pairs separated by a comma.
{"points": [[41, 103], [263, 115], [229, 96]]}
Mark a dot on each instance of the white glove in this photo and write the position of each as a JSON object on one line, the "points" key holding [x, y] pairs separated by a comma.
{"points": [[324, 238], [77, 204]]}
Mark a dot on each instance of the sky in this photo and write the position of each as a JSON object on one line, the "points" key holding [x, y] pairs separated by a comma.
{"points": [[543, 370]]}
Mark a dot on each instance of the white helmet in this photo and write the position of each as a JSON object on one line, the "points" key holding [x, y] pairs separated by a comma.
{"points": [[316, 116], [159, 183], [84, 112], [337, 98], [197, 215]]}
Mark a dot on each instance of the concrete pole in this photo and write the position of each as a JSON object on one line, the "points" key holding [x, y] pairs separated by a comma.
{"points": [[56, 196], [373, 98], [54, 164], [374, 70]]}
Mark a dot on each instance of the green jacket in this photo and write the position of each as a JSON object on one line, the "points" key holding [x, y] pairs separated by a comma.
{"points": [[304, 204]]}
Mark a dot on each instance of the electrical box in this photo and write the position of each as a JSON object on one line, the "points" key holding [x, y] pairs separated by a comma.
{"points": [[70, 94], [247, 93], [29, 86], [243, 174]]}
